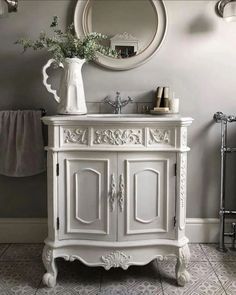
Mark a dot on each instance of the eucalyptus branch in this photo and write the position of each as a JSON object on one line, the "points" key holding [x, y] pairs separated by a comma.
{"points": [[67, 45]]}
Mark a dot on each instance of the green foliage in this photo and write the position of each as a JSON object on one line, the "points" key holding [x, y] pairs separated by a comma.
{"points": [[67, 45]]}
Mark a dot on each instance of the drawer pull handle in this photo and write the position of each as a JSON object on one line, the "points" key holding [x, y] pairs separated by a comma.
{"points": [[121, 199], [112, 193]]}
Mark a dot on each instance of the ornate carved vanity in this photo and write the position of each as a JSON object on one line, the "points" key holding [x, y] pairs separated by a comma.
{"points": [[116, 191]]}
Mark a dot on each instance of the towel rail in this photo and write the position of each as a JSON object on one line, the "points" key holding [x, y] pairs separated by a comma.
{"points": [[219, 117], [43, 111]]}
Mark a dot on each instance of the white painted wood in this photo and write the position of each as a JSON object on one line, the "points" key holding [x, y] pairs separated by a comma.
{"points": [[165, 137], [52, 200], [149, 198], [112, 204], [182, 274], [85, 187]]}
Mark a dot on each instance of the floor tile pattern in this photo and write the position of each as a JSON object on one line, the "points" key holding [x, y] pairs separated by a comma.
{"points": [[3, 248], [203, 279], [19, 277], [74, 278], [212, 272], [214, 255], [226, 273]]}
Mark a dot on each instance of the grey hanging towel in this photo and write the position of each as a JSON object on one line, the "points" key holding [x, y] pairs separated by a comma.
{"points": [[21, 143]]}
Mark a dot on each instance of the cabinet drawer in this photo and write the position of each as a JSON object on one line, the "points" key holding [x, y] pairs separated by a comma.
{"points": [[161, 137], [115, 136], [74, 136]]}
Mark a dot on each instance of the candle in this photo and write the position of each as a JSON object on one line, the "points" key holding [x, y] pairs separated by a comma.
{"points": [[174, 105]]}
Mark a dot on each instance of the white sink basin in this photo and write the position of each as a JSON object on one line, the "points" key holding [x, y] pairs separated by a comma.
{"points": [[118, 115]]}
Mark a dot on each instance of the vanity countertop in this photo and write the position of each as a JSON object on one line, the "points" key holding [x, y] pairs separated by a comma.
{"points": [[117, 118]]}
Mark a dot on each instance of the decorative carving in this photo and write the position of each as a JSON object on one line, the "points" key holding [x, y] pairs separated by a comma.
{"points": [[121, 193], [116, 259], [183, 167], [182, 274], [118, 136], [47, 254], [164, 257], [76, 135], [159, 136], [70, 258], [184, 137], [113, 192], [50, 276], [49, 280]]}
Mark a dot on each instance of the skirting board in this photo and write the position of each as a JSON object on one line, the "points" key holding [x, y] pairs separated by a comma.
{"points": [[23, 230], [205, 230], [34, 230]]}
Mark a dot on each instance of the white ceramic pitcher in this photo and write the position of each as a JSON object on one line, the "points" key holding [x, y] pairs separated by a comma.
{"points": [[71, 97]]}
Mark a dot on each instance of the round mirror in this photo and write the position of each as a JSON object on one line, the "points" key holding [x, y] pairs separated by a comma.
{"points": [[135, 28]]}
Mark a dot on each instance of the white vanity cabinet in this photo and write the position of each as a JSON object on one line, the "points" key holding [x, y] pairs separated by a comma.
{"points": [[116, 191]]}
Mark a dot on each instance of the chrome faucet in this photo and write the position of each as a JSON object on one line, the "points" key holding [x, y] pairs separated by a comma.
{"points": [[118, 103]]}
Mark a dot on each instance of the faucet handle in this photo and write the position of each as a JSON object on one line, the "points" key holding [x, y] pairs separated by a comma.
{"points": [[130, 99], [106, 99]]}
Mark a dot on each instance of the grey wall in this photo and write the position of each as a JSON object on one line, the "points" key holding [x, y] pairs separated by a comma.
{"points": [[197, 60]]}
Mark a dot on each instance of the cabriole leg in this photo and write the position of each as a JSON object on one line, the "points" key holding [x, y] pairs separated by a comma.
{"points": [[50, 277], [182, 274]]}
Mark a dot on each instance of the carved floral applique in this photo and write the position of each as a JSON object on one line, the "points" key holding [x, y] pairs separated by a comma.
{"points": [[159, 136], [76, 135], [118, 136]]}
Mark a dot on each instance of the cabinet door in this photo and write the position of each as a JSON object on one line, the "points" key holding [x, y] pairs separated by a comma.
{"points": [[146, 196], [86, 183]]}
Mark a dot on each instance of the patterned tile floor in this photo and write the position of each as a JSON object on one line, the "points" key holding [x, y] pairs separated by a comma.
{"points": [[212, 272]]}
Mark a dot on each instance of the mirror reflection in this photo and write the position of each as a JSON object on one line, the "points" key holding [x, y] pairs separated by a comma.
{"points": [[130, 25]]}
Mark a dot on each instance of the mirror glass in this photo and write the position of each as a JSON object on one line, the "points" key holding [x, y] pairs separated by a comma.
{"points": [[135, 28], [129, 25]]}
